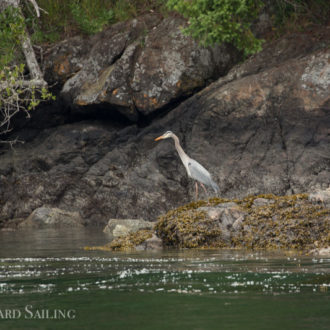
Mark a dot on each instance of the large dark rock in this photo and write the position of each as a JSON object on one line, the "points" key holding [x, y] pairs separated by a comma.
{"points": [[135, 67], [263, 128]]}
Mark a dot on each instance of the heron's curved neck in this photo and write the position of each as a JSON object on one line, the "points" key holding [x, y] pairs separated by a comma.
{"points": [[178, 147]]}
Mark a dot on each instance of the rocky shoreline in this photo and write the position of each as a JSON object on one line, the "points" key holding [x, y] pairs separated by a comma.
{"points": [[296, 222], [259, 127]]}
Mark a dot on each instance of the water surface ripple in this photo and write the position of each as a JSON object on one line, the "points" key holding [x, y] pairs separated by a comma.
{"points": [[51, 269]]}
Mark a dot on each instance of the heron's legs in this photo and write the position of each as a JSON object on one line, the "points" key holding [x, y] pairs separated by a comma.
{"points": [[207, 195], [196, 190], [204, 189]]}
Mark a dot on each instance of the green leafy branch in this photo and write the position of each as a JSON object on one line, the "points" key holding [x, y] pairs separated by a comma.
{"points": [[89, 21], [18, 95], [218, 21]]}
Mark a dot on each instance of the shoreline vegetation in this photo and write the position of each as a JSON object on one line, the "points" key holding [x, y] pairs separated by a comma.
{"points": [[62, 19]]}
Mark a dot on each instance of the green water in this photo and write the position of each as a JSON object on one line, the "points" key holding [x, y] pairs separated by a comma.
{"points": [[48, 282]]}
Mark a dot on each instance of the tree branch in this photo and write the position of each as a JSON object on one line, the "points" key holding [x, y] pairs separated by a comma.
{"points": [[26, 44], [16, 93]]}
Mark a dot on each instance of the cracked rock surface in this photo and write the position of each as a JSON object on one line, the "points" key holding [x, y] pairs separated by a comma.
{"points": [[262, 128]]}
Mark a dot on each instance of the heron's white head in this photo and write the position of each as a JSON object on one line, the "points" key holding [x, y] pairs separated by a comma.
{"points": [[166, 135]]}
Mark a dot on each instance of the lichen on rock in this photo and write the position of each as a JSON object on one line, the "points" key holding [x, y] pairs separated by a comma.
{"points": [[125, 243], [291, 222], [265, 222], [190, 227], [255, 222]]}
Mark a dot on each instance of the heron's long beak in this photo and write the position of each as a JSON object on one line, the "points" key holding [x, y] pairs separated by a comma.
{"points": [[159, 138]]}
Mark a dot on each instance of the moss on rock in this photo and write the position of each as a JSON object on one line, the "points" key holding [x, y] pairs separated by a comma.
{"points": [[286, 222], [125, 243], [291, 222], [188, 227], [269, 222]]}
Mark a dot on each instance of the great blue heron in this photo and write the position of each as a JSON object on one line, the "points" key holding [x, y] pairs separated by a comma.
{"points": [[195, 170]]}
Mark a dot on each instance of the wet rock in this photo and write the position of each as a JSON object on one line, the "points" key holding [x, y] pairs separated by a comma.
{"points": [[12, 224], [199, 224], [128, 242], [122, 227], [52, 217], [143, 239], [152, 243]]}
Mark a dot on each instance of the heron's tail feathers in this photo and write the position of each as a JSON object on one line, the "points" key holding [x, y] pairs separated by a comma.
{"points": [[215, 187]]}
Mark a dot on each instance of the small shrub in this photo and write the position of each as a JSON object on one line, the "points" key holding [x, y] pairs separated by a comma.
{"points": [[218, 21], [12, 26], [90, 19]]}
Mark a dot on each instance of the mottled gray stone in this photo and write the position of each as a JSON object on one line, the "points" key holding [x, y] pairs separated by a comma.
{"points": [[52, 217], [228, 216], [122, 227], [320, 196]]}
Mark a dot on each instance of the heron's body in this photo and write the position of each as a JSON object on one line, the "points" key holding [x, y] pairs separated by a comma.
{"points": [[194, 170]]}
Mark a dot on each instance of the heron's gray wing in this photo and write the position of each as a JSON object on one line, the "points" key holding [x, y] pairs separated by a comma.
{"points": [[201, 174]]}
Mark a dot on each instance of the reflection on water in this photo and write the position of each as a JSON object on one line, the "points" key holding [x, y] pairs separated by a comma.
{"points": [[50, 268], [49, 242]]}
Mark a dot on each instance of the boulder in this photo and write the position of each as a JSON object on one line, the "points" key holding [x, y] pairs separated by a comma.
{"points": [[172, 65], [135, 67], [52, 217], [288, 222], [123, 227]]}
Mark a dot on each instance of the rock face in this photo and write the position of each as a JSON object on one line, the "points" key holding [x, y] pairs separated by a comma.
{"points": [[136, 67], [122, 227], [262, 128], [265, 131]]}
